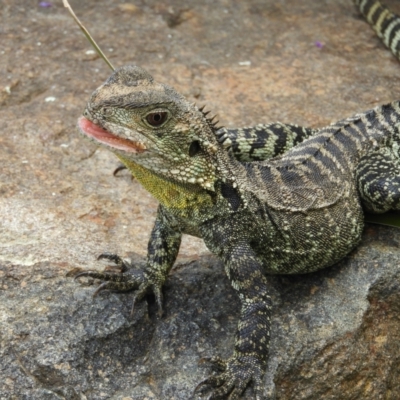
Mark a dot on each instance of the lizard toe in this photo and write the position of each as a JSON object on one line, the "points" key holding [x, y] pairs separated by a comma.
{"points": [[203, 386], [116, 259], [217, 363], [231, 383]]}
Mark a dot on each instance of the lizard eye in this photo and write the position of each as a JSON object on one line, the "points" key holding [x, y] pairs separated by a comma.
{"points": [[156, 118]]}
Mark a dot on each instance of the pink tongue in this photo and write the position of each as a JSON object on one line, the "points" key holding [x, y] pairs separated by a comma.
{"points": [[96, 132]]}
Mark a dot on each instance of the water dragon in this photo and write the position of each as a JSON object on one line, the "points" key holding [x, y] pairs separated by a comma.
{"points": [[269, 199]]}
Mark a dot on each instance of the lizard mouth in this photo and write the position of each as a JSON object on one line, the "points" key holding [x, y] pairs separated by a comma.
{"points": [[104, 137]]}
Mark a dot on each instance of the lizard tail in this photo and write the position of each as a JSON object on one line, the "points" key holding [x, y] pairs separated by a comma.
{"points": [[385, 23]]}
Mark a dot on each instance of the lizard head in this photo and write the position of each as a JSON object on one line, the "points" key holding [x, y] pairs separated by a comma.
{"points": [[151, 125]]}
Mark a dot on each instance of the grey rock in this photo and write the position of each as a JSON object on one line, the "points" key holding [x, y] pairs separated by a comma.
{"points": [[335, 333]]}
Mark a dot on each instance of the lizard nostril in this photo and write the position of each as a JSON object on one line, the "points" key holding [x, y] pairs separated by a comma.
{"points": [[194, 148]]}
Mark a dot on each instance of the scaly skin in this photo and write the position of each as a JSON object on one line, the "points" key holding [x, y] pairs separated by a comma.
{"points": [[385, 23], [262, 142], [295, 213]]}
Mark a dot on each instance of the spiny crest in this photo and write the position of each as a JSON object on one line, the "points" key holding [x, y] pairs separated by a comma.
{"points": [[223, 168], [210, 120], [223, 165]]}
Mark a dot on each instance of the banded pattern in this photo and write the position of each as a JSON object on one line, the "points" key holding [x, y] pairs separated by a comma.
{"points": [[385, 23], [366, 145], [261, 142]]}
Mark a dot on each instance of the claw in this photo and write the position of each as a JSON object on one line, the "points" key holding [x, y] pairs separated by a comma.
{"points": [[236, 393], [238, 373], [224, 390], [110, 256], [105, 276], [203, 383], [101, 288], [216, 362], [211, 380], [73, 272], [116, 259], [120, 282], [159, 301], [139, 294], [119, 168], [83, 273]]}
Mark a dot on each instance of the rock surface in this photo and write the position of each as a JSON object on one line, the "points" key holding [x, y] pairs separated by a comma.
{"points": [[336, 333]]}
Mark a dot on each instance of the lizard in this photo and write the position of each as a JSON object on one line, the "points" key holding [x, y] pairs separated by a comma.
{"points": [[280, 211]]}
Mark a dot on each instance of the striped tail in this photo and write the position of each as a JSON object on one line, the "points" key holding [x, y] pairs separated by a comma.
{"points": [[385, 23]]}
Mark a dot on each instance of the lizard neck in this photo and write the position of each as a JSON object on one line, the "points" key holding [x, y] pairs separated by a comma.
{"points": [[172, 195]]}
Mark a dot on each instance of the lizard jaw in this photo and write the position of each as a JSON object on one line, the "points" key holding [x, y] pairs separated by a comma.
{"points": [[102, 136]]}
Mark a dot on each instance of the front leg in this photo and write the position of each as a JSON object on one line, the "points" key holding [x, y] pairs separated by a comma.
{"points": [[163, 249], [247, 365]]}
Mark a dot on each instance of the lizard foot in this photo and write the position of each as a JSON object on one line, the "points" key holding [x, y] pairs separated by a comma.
{"points": [[237, 373], [123, 281]]}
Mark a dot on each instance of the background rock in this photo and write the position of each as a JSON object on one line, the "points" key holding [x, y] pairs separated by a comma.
{"points": [[335, 333]]}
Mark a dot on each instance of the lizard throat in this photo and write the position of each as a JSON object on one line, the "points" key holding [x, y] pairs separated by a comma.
{"points": [[104, 137]]}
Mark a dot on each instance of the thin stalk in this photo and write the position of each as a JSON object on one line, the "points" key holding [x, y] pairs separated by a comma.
{"points": [[87, 34]]}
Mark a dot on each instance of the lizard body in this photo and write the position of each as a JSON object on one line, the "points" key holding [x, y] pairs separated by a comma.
{"points": [[260, 204]]}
